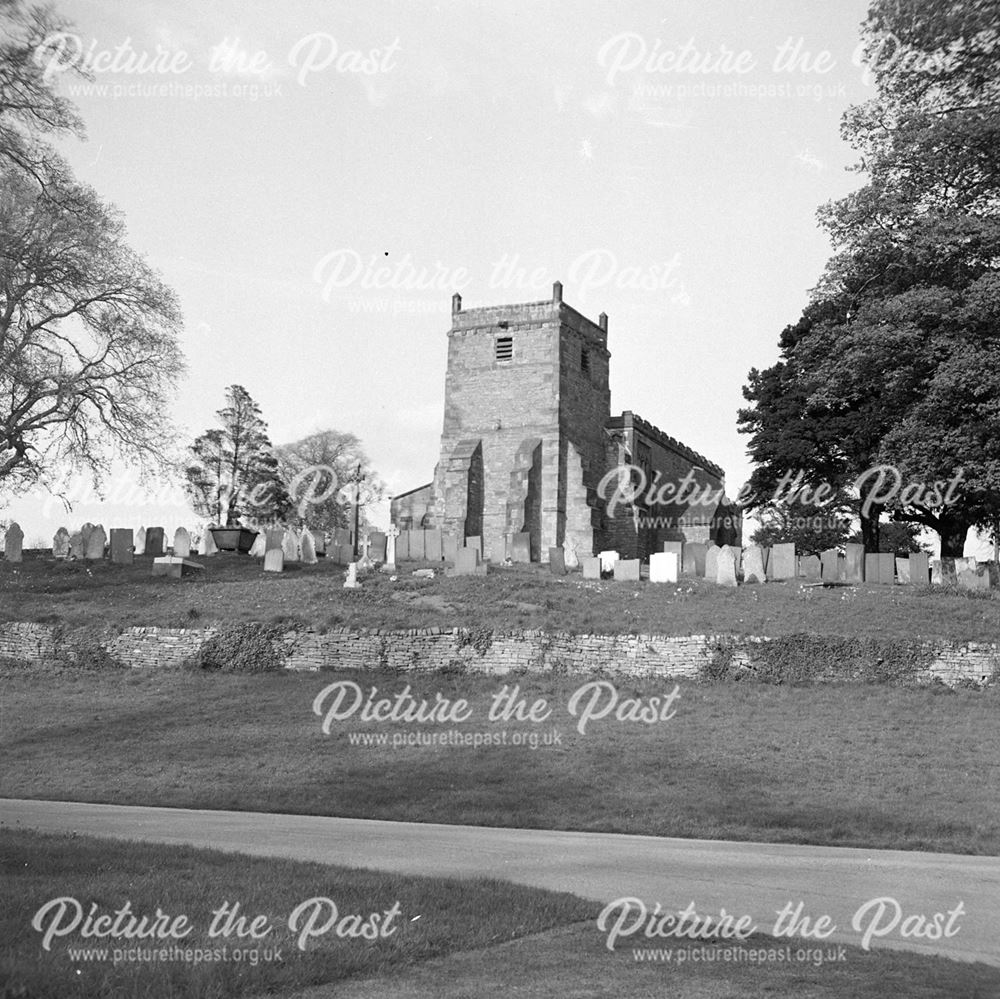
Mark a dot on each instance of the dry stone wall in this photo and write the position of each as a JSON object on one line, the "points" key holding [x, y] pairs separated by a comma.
{"points": [[455, 650]]}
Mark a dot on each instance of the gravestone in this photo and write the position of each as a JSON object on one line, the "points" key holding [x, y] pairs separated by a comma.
{"points": [[726, 567], [390, 546], [417, 550], [307, 548], [76, 546], [871, 568], [854, 563], [379, 540], [809, 568], [366, 562], [60, 543], [121, 545], [712, 562], [13, 543], [433, 551], [259, 547], [557, 561], [154, 541], [520, 547], [182, 542], [274, 537], [319, 544], [885, 568], [782, 563], [140, 541], [919, 568], [677, 547], [95, 543], [945, 571], [627, 570], [663, 567], [86, 531], [903, 570], [290, 546], [171, 565], [351, 582], [970, 579], [274, 560], [342, 536], [345, 554], [449, 547], [608, 560], [830, 565], [208, 547], [467, 563], [591, 565], [753, 565], [737, 553], [694, 558]]}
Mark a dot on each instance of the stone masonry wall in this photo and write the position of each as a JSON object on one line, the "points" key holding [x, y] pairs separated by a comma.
{"points": [[432, 649]]}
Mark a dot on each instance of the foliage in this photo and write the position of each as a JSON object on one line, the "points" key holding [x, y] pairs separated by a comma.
{"points": [[893, 362], [241, 648], [812, 529], [895, 536], [233, 473], [812, 658], [322, 472]]}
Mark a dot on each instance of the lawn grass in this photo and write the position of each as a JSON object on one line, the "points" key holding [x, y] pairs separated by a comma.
{"points": [[845, 764], [234, 588], [435, 917], [454, 938]]}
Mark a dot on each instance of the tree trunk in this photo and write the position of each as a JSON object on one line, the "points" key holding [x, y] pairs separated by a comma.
{"points": [[870, 528], [952, 533]]}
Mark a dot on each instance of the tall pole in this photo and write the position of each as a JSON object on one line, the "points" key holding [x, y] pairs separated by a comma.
{"points": [[357, 507]]}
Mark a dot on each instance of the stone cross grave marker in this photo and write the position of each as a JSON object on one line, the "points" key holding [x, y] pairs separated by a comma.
{"points": [[390, 544]]}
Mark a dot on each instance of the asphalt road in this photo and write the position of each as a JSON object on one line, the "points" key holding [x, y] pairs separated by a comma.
{"points": [[755, 879]]}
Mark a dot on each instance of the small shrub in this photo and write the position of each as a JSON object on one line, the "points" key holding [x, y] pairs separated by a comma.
{"points": [[481, 639], [241, 648]]}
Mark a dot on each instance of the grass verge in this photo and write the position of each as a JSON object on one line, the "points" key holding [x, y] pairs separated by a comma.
{"points": [[453, 938], [844, 765]]}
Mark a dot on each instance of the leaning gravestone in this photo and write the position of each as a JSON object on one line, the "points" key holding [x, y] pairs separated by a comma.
{"points": [[307, 548], [520, 547], [663, 567], [140, 541], [182, 542], [274, 560], [854, 563], [13, 543], [782, 563], [96, 541], [919, 568], [60, 543], [809, 568], [76, 546], [121, 545], [154, 541], [259, 547], [726, 567], [694, 558], [753, 565], [712, 563]]}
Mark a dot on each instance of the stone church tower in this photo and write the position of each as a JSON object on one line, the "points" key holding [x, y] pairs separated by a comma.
{"points": [[528, 436]]}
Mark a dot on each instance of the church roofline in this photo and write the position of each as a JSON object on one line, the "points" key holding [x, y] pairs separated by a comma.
{"points": [[628, 420]]}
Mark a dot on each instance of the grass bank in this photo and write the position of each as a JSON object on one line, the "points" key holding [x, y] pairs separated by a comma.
{"points": [[850, 765]]}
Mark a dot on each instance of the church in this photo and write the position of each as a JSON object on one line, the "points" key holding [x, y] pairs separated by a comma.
{"points": [[529, 446]]}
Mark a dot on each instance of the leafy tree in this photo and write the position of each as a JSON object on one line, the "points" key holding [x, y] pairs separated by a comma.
{"points": [[233, 475], [88, 332], [322, 471], [894, 361], [812, 529], [895, 536]]}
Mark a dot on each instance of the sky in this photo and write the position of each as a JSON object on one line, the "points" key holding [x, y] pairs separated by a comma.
{"points": [[315, 180]]}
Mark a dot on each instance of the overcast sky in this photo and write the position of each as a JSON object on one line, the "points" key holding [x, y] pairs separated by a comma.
{"points": [[316, 179]]}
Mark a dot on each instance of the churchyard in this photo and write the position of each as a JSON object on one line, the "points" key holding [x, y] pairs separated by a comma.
{"points": [[110, 585]]}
